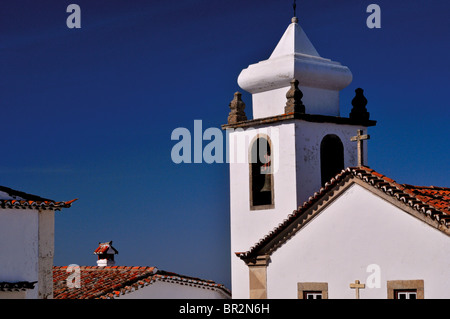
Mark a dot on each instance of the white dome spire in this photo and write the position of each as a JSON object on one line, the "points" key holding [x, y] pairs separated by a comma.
{"points": [[295, 57], [294, 40]]}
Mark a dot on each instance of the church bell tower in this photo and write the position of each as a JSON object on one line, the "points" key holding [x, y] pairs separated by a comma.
{"points": [[295, 143]]}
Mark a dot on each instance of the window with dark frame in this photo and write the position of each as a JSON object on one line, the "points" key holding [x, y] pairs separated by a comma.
{"points": [[312, 295], [312, 290], [405, 289], [405, 294]]}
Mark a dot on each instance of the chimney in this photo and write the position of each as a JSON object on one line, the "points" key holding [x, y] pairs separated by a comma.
{"points": [[105, 253]]}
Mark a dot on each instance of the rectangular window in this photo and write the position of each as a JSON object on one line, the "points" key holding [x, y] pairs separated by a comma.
{"points": [[312, 295], [405, 289], [312, 290]]}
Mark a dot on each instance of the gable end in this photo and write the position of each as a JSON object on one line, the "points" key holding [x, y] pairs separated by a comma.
{"points": [[399, 195]]}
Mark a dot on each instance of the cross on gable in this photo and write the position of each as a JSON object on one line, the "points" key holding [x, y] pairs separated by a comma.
{"points": [[359, 138], [357, 286]]}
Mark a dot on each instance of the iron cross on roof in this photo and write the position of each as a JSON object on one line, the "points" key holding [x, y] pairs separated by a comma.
{"points": [[359, 138]]}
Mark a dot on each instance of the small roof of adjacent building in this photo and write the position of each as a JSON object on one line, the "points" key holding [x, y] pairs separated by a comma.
{"points": [[10, 198], [17, 286], [112, 282]]}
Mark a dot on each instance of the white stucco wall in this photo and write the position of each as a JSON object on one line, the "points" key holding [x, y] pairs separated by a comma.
{"points": [[165, 290], [247, 226], [296, 155], [316, 101], [357, 230], [309, 136], [19, 247]]}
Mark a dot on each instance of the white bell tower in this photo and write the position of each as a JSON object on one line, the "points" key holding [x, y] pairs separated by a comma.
{"points": [[295, 142]]}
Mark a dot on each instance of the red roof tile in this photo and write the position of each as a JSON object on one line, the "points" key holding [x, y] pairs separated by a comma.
{"points": [[18, 199], [110, 282], [438, 197], [104, 247]]}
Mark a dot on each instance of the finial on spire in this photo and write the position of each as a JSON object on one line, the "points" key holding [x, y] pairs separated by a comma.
{"points": [[359, 110], [237, 107], [294, 18]]}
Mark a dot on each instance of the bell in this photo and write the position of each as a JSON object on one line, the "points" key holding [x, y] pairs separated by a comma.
{"points": [[267, 184]]}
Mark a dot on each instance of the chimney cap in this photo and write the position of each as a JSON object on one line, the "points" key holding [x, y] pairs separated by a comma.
{"points": [[105, 248]]}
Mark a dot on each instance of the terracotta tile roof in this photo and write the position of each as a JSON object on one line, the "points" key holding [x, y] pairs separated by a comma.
{"points": [[431, 202], [438, 197], [111, 282], [10, 198]]}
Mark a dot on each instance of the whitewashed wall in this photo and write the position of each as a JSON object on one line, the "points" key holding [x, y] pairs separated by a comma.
{"points": [[316, 101], [247, 226], [309, 136], [355, 231], [296, 153]]}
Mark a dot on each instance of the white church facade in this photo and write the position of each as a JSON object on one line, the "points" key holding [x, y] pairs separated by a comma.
{"points": [[364, 228], [299, 155]]}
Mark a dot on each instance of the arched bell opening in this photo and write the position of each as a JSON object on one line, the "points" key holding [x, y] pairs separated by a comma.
{"points": [[331, 157], [261, 174]]}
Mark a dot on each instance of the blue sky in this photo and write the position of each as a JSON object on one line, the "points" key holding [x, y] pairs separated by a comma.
{"points": [[88, 113]]}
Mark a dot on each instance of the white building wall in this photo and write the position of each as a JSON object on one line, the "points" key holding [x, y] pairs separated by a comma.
{"points": [[316, 101], [296, 153], [309, 136], [165, 290], [19, 247], [248, 226], [357, 230]]}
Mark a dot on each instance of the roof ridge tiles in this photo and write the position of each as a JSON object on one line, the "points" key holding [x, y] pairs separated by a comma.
{"points": [[430, 187]]}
